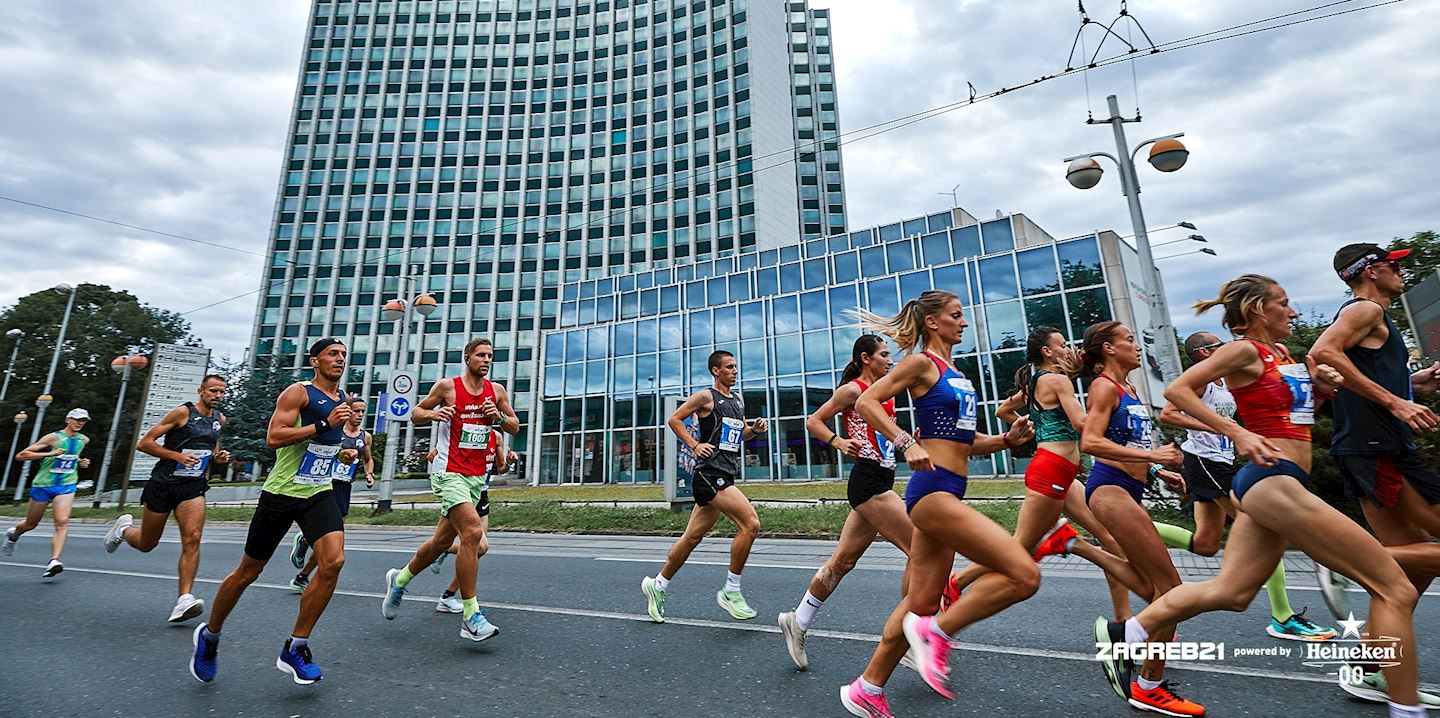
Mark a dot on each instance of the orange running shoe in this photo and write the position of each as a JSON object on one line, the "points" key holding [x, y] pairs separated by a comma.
{"points": [[951, 592], [1163, 700], [1057, 542]]}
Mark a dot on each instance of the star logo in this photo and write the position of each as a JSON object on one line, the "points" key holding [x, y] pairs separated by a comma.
{"points": [[1351, 626]]}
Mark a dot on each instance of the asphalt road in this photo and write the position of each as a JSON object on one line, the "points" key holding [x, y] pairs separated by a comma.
{"points": [[574, 640]]}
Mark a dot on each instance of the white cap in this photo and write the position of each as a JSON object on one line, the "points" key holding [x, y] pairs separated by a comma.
{"points": [[78, 413]]}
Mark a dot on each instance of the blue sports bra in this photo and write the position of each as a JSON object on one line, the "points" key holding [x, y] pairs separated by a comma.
{"points": [[1130, 424], [948, 410]]}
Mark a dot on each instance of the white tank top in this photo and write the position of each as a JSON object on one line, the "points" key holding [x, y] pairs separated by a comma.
{"points": [[1209, 445]]}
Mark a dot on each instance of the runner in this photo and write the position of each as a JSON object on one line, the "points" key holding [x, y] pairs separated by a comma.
{"points": [[60, 464], [1275, 398], [1051, 480], [1375, 419], [450, 600], [305, 431], [354, 447], [1118, 432], [945, 406], [177, 485], [472, 409], [1209, 469], [873, 502], [718, 458]]}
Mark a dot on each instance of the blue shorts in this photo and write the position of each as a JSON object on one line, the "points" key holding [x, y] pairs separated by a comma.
{"points": [[1251, 474], [1107, 475], [45, 494], [924, 483]]}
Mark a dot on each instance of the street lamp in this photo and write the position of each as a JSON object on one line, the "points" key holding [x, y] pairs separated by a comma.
{"points": [[10, 457], [1191, 238], [1202, 250], [44, 401], [122, 366], [394, 311], [1167, 154], [17, 335]]}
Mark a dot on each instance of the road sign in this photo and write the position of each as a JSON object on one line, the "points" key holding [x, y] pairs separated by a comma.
{"points": [[175, 374], [401, 397]]}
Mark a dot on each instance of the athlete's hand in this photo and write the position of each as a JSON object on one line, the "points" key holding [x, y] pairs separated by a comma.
{"points": [[188, 461], [1418, 416], [369, 480], [850, 447], [84, 463], [704, 450], [1167, 455], [1326, 379], [1020, 432], [1257, 449], [917, 458], [1175, 481], [443, 413], [339, 415], [1427, 379], [759, 426], [489, 409], [222, 456]]}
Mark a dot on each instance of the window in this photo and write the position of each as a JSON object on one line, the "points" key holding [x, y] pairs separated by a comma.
{"points": [[1087, 307], [965, 241], [999, 236], [786, 315], [1046, 311], [881, 297], [812, 311], [935, 248], [1037, 271], [1005, 325], [997, 278], [752, 320], [901, 255], [1080, 264]]}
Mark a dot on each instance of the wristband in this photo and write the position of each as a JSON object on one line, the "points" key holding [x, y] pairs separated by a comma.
{"points": [[1005, 439], [1154, 471], [830, 442], [321, 427]]}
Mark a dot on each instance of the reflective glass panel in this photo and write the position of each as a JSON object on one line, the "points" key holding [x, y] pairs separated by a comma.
{"points": [[997, 278], [842, 301], [936, 248], [999, 236], [700, 332], [727, 329], [872, 262], [752, 320], [787, 354], [672, 333], [901, 255], [767, 281], [1080, 264], [847, 266], [881, 297], [1005, 325], [818, 352], [965, 241], [812, 311], [647, 336], [814, 270], [1037, 271], [790, 277], [1087, 307], [1047, 311], [786, 314]]}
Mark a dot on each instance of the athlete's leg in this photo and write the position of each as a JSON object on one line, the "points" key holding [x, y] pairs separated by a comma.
{"points": [[1109, 556], [1209, 527], [231, 589], [732, 503], [438, 543], [33, 513], [1392, 528], [466, 523], [1037, 515], [329, 552], [1014, 576], [190, 516], [310, 564], [60, 514], [893, 644], [1132, 527], [702, 519], [145, 537], [855, 536], [886, 512]]}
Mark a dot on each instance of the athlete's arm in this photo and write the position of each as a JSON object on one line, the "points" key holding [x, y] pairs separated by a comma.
{"points": [[819, 423], [870, 405], [283, 431], [1172, 416], [1232, 359], [1352, 325], [178, 417], [1104, 399], [755, 428], [508, 419], [45, 448], [436, 406], [369, 458], [698, 402], [1020, 432], [1009, 410], [1065, 394], [221, 455]]}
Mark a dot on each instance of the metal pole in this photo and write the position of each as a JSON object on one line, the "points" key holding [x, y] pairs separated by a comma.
{"points": [[415, 367], [387, 470], [10, 457], [1160, 328], [5, 388], [49, 382], [110, 442]]}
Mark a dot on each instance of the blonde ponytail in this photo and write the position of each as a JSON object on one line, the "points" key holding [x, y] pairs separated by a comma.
{"points": [[1243, 298], [907, 329]]}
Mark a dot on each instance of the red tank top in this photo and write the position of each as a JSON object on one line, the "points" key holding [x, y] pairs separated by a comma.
{"points": [[469, 448], [1281, 403], [877, 447]]}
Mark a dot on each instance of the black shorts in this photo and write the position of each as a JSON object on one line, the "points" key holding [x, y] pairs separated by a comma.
{"points": [[708, 484], [1378, 477], [163, 496], [868, 479], [482, 507], [317, 516], [341, 490], [1208, 480]]}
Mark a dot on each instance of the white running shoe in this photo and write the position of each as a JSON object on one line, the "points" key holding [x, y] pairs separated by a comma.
{"points": [[116, 535], [8, 546], [53, 568], [1332, 588], [390, 605], [186, 608], [452, 604], [794, 639]]}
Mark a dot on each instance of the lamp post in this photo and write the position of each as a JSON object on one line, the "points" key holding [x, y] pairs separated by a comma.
{"points": [[1202, 250], [1167, 154], [1192, 238], [17, 335], [424, 305], [10, 457], [395, 311], [44, 401], [122, 366]]}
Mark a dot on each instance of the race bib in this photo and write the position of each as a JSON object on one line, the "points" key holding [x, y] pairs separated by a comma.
{"points": [[318, 464], [885, 449], [198, 469], [475, 436], [965, 397], [1227, 446], [731, 431], [1140, 427], [343, 471], [1302, 393], [65, 464]]}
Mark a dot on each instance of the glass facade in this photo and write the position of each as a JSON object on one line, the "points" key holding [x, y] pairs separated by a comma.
{"points": [[496, 151], [784, 313]]}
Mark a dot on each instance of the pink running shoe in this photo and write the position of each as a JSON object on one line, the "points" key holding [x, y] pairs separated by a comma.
{"points": [[933, 650], [862, 704]]}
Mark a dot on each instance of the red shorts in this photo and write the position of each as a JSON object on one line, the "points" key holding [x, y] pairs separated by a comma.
{"points": [[1388, 481], [1050, 474]]}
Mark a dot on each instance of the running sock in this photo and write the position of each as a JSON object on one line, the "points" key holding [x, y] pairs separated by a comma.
{"points": [[208, 635], [1134, 632], [1175, 536], [297, 643], [805, 612], [404, 578], [732, 581], [470, 606], [1147, 684], [661, 582], [872, 689], [1399, 711], [1280, 608], [447, 594]]}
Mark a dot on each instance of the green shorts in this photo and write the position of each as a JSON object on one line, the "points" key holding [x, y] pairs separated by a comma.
{"points": [[455, 489]]}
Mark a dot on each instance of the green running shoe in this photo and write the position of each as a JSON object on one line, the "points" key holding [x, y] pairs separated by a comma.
{"points": [[1372, 688], [735, 605], [654, 599], [1299, 628], [299, 583]]}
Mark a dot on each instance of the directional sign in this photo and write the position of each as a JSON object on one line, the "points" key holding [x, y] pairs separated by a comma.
{"points": [[401, 397]]}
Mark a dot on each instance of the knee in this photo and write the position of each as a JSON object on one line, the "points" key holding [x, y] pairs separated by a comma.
{"points": [[189, 542], [62, 523], [1401, 594], [246, 573], [330, 566], [750, 525], [690, 541], [1025, 582], [471, 535], [841, 565]]}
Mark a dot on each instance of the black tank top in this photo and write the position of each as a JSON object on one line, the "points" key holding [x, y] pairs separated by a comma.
{"points": [[1362, 426], [200, 435], [724, 429]]}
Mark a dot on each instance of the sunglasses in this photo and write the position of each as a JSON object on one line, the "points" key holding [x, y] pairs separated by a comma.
{"points": [[1213, 346]]}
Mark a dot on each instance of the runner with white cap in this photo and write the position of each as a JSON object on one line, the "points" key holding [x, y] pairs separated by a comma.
{"points": [[60, 464]]}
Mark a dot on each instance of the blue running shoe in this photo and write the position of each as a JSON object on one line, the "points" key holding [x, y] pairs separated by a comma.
{"points": [[1299, 628], [390, 605], [203, 661], [477, 627], [298, 664]]}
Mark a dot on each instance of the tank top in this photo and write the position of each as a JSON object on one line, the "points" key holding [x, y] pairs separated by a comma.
{"points": [[948, 410], [344, 471], [1050, 424], [877, 447], [468, 445], [1130, 424], [305, 469], [197, 437], [1208, 444], [1281, 403], [724, 429], [1361, 425], [62, 470]]}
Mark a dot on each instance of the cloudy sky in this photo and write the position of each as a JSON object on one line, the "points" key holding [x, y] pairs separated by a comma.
{"points": [[173, 116]]}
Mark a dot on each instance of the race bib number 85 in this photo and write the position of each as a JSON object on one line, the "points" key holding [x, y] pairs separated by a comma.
{"points": [[318, 465]]}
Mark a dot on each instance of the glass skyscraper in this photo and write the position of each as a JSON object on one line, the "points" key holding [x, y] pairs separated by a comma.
{"points": [[496, 150]]}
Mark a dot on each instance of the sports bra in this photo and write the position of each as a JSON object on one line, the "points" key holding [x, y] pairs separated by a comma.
{"points": [[1050, 424], [948, 410], [1130, 423], [1281, 403], [877, 447]]}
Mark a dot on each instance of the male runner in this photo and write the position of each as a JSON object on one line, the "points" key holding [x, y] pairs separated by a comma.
{"points": [[60, 464], [305, 430], [718, 457], [177, 484], [450, 600], [472, 407], [1209, 468], [355, 447], [1375, 417]]}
